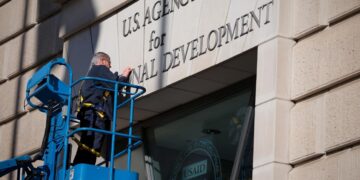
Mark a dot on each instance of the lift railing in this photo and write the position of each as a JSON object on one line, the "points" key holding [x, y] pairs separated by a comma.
{"points": [[53, 92], [131, 96]]}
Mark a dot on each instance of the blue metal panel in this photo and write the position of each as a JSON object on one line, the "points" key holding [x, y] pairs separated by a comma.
{"points": [[12, 164], [90, 172], [43, 72], [53, 91]]}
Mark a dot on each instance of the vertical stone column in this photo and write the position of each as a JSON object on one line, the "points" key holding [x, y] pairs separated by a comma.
{"points": [[272, 111]]}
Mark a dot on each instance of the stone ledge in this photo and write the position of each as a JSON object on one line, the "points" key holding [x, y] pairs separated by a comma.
{"points": [[17, 136], [2, 2], [13, 93], [74, 20], [325, 123], [2, 57], [340, 9], [326, 58], [342, 165], [311, 170], [78, 52], [19, 21], [274, 70], [47, 8], [272, 171], [308, 17], [31, 48], [342, 116], [307, 130], [271, 133], [309, 31]]}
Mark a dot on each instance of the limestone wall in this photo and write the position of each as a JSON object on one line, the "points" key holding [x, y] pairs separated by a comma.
{"points": [[307, 92], [325, 120], [28, 37], [32, 33]]}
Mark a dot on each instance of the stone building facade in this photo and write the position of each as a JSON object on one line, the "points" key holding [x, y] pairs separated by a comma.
{"points": [[301, 59]]}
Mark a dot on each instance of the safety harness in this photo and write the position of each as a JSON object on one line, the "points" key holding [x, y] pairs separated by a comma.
{"points": [[99, 111], [87, 105], [85, 147]]}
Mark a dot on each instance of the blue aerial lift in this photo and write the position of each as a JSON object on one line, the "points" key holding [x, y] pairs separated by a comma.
{"points": [[54, 97]]}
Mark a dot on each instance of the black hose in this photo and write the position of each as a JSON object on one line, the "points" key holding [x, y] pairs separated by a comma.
{"points": [[40, 154]]}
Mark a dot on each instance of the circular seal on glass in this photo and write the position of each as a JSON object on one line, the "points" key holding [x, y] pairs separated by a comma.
{"points": [[200, 161]]}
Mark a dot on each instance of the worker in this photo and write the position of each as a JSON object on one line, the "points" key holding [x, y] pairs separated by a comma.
{"points": [[95, 107]]}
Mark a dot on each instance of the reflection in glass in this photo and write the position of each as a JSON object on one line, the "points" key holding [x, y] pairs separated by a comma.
{"points": [[201, 143]]}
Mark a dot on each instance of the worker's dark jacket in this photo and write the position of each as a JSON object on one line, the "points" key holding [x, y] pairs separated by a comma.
{"points": [[94, 95]]}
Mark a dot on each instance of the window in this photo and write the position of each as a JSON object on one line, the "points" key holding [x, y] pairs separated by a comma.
{"points": [[201, 139]]}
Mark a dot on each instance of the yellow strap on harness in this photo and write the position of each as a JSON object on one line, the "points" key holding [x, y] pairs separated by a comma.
{"points": [[87, 105], [100, 114], [81, 104], [85, 147]]}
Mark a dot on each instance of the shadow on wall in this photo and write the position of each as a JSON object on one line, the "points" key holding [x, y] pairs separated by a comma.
{"points": [[81, 47], [47, 46], [19, 84], [77, 49]]}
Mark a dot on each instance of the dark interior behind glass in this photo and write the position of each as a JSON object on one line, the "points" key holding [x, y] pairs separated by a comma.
{"points": [[201, 140]]}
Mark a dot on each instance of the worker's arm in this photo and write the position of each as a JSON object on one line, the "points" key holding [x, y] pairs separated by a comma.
{"points": [[124, 77], [104, 72]]}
